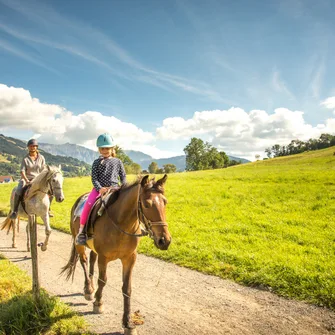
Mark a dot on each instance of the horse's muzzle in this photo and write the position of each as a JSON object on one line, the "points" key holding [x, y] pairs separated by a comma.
{"points": [[60, 199], [163, 243]]}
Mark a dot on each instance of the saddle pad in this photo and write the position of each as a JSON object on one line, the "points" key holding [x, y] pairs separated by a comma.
{"points": [[80, 206]]}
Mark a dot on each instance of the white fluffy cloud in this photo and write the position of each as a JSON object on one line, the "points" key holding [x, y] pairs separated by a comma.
{"points": [[54, 124], [235, 131], [242, 133], [18, 109], [329, 103]]}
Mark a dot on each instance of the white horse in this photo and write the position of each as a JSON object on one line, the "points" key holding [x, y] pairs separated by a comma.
{"points": [[36, 202]]}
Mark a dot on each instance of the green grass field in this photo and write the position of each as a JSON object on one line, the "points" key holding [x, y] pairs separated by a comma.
{"points": [[267, 224], [20, 314]]}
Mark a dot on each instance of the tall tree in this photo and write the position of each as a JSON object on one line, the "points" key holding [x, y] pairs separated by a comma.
{"points": [[194, 151], [225, 158], [202, 156], [153, 167], [122, 156], [169, 168], [268, 152]]}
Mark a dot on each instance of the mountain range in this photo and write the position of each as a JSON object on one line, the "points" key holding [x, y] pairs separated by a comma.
{"points": [[144, 160], [12, 150], [76, 159]]}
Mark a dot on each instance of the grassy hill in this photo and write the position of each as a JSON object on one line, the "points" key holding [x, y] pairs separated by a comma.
{"points": [[268, 224], [12, 151]]}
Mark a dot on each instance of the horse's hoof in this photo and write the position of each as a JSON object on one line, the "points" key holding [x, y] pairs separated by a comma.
{"points": [[89, 296], [14, 245], [130, 331], [98, 309], [44, 247]]}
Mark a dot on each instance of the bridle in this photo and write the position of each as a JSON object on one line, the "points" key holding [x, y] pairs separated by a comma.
{"points": [[52, 189], [141, 218], [147, 223]]}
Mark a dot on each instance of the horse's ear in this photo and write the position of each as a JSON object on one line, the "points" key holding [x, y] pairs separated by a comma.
{"points": [[145, 181], [162, 181]]}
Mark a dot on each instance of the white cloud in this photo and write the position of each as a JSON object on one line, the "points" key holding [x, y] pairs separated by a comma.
{"points": [[54, 124], [329, 103], [235, 131], [243, 134]]}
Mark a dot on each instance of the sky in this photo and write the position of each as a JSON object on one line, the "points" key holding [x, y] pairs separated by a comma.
{"points": [[242, 75]]}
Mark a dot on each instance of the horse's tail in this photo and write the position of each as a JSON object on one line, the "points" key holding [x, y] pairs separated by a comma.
{"points": [[8, 224], [70, 267]]}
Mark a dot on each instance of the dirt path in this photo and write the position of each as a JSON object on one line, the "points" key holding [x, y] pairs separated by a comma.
{"points": [[172, 299]]}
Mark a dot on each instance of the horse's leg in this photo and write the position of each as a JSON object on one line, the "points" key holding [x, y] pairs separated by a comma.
{"points": [[98, 303], [127, 269], [48, 231], [28, 237], [88, 289], [14, 233], [93, 258]]}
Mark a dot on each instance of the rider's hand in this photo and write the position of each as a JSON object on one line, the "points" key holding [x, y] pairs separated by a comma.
{"points": [[103, 190]]}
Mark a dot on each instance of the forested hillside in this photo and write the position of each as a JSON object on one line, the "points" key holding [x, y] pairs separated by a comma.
{"points": [[13, 150]]}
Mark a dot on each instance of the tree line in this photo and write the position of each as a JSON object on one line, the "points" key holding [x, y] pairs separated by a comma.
{"points": [[297, 146], [167, 168], [201, 155]]}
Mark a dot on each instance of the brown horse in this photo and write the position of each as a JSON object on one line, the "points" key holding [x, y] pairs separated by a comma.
{"points": [[116, 236]]}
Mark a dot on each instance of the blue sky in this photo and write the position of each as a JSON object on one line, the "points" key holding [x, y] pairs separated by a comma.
{"points": [[242, 75]]}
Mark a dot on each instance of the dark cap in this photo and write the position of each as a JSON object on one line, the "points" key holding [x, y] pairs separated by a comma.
{"points": [[32, 142]]}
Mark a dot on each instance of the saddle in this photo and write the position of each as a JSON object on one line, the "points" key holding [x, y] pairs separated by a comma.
{"points": [[96, 211], [23, 197]]}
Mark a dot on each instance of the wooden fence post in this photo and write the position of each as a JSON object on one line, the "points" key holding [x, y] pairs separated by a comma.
{"points": [[34, 256]]}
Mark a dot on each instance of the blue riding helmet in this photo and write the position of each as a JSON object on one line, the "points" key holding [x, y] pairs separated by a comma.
{"points": [[105, 141]]}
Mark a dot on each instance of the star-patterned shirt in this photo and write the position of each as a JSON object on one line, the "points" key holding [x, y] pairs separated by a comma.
{"points": [[107, 172]]}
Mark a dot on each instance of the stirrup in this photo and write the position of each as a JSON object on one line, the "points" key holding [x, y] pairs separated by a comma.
{"points": [[13, 216], [81, 239]]}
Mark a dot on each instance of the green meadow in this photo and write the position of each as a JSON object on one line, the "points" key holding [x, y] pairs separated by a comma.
{"points": [[267, 224], [20, 314]]}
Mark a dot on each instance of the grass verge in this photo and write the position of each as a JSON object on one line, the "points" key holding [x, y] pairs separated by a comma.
{"points": [[20, 314]]}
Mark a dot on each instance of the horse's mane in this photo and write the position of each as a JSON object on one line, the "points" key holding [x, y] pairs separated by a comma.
{"points": [[40, 182], [151, 186], [124, 188]]}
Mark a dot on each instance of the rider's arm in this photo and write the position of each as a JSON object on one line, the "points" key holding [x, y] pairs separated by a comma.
{"points": [[94, 175], [23, 171], [23, 176]]}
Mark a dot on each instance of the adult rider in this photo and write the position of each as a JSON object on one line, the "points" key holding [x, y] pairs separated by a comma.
{"points": [[32, 164]]}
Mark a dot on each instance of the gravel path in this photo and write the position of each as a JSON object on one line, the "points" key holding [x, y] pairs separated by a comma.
{"points": [[173, 300]]}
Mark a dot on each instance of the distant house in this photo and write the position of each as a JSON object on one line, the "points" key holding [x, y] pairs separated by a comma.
{"points": [[6, 179]]}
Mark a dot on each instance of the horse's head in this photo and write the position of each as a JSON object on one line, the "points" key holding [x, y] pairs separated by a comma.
{"points": [[152, 203], [56, 182]]}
